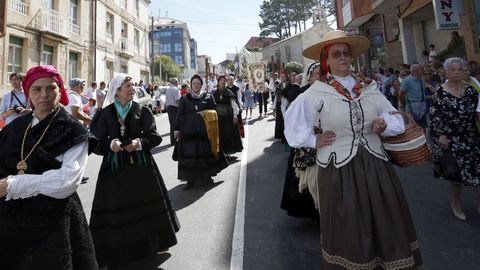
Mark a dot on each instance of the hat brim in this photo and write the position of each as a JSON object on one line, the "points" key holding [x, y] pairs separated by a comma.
{"points": [[358, 45]]}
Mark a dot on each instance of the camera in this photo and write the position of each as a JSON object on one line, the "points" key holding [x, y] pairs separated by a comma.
{"points": [[17, 108]]}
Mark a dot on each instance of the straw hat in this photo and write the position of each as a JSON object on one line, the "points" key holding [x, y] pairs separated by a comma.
{"points": [[358, 44]]}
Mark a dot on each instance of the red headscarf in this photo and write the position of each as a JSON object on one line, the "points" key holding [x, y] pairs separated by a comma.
{"points": [[45, 71]]}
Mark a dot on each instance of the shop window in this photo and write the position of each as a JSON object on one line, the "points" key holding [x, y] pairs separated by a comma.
{"points": [[72, 65], [47, 55]]}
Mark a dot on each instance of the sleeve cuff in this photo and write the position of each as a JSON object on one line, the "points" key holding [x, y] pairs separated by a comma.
{"points": [[111, 143]]}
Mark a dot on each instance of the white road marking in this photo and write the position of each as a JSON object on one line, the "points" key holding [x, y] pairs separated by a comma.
{"points": [[236, 261]]}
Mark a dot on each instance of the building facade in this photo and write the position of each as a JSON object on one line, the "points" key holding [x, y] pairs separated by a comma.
{"points": [[401, 30], [53, 32], [290, 49], [122, 39], [171, 37]]}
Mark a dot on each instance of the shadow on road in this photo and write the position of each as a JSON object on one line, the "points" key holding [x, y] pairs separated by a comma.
{"points": [[183, 198]]}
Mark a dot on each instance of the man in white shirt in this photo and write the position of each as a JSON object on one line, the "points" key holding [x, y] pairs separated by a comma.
{"points": [[172, 99], [101, 94], [14, 103], [75, 105], [271, 86], [91, 91]]}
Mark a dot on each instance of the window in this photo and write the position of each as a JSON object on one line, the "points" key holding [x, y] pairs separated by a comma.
{"points": [[344, 2], [178, 33], [178, 47], [47, 55], [156, 35], [477, 24], [124, 69], [140, 93], [109, 26], [136, 39], [72, 65], [166, 48], [73, 11], [108, 71], [123, 4], [165, 34], [15, 49], [137, 8], [50, 4], [156, 49], [124, 30], [179, 59]]}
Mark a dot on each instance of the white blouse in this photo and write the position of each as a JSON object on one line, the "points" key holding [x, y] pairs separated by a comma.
{"points": [[56, 183]]}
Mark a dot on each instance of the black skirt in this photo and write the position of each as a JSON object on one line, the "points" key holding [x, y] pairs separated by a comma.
{"points": [[132, 216], [193, 152], [230, 140], [279, 124], [45, 233], [297, 204]]}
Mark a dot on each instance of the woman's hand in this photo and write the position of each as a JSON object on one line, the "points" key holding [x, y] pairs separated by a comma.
{"points": [[379, 125], [117, 146], [176, 135], [443, 141], [133, 146], [3, 187], [201, 114], [325, 138]]}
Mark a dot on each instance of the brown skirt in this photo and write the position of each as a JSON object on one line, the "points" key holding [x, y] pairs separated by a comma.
{"points": [[365, 220]]}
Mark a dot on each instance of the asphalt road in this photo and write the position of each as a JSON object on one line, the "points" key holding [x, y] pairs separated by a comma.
{"points": [[274, 241]]}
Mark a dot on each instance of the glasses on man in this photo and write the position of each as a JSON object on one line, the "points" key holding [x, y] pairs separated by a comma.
{"points": [[338, 54]]}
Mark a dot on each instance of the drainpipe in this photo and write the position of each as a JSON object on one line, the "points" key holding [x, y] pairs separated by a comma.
{"points": [[94, 36]]}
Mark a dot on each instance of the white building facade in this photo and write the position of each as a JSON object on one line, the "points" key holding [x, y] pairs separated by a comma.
{"points": [[122, 39], [53, 32]]}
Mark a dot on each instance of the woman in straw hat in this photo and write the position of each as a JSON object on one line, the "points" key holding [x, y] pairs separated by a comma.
{"points": [[365, 219]]}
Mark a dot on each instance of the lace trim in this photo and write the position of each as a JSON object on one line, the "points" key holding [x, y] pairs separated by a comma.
{"points": [[376, 262]]}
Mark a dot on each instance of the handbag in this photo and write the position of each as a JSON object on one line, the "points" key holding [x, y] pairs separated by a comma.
{"points": [[448, 164]]}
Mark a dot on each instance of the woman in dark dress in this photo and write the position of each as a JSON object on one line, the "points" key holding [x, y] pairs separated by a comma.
{"points": [[279, 125], [227, 111], [132, 217], [452, 115], [42, 161], [197, 160]]}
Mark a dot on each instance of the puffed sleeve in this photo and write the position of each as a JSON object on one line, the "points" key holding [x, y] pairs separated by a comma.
{"points": [[150, 137], [395, 123], [57, 183], [300, 121]]}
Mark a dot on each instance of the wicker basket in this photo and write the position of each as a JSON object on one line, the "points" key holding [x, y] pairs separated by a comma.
{"points": [[410, 148]]}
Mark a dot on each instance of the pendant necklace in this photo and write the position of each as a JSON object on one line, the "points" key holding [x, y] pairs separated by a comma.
{"points": [[122, 133], [22, 164], [122, 125]]}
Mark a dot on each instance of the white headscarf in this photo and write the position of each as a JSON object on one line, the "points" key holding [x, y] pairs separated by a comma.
{"points": [[113, 87], [307, 71]]}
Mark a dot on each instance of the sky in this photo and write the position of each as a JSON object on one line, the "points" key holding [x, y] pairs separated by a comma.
{"points": [[219, 27]]}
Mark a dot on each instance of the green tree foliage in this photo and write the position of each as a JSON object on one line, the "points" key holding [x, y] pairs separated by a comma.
{"points": [[169, 68], [294, 66], [279, 17]]}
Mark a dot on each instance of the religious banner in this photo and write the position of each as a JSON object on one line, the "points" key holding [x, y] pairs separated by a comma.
{"points": [[256, 75], [447, 14]]}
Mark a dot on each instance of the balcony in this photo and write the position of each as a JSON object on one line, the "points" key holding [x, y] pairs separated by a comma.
{"points": [[54, 22], [383, 6], [19, 7], [125, 47]]}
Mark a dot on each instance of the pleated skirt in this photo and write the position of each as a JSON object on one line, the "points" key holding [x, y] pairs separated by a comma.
{"points": [[364, 217]]}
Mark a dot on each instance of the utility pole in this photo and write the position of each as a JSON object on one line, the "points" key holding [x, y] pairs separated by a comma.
{"points": [[152, 58], [3, 18]]}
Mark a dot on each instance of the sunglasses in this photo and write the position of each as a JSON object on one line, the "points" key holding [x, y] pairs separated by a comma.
{"points": [[339, 54]]}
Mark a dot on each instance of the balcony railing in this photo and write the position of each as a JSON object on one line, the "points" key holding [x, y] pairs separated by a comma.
{"points": [[109, 36], [125, 47], [52, 21], [19, 7]]}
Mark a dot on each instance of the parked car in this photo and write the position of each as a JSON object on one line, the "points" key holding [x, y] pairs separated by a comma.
{"points": [[142, 97]]}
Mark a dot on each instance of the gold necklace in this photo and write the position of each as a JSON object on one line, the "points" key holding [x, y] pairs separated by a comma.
{"points": [[22, 164]]}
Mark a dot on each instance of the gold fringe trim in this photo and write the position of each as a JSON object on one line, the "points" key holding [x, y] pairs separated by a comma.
{"points": [[376, 262]]}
